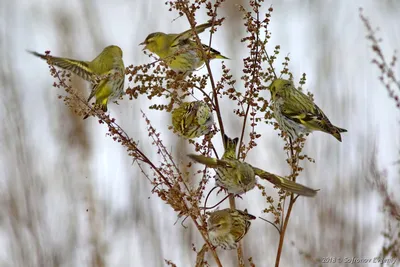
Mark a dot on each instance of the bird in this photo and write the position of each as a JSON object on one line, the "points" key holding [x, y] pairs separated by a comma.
{"points": [[227, 227], [238, 177], [192, 119], [296, 113], [106, 73], [180, 51]]}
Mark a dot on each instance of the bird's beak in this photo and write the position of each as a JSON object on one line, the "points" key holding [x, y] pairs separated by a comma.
{"points": [[145, 45]]}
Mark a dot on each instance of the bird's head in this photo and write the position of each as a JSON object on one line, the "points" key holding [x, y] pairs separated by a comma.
{"points": [[113, 50], [279, 85], [154, 42], [219, 223]]}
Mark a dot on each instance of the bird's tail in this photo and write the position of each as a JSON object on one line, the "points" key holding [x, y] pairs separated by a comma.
{"points": [[230, 147], [286, 184], [101, 104], [42, 56], [247, 215], [214, 53], [219, 56], [336, 132]]}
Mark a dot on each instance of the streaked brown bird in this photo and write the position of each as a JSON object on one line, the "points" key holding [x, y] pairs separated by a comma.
{"points": [[227, 227], [238, 177], [296, 113]]}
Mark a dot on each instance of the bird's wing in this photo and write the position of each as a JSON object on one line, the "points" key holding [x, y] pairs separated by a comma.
{"points": [[237, 230], [188, 34], [210, 162], [286, 184], [213, 52], [301, 109], [189, 117], [80, 68]]}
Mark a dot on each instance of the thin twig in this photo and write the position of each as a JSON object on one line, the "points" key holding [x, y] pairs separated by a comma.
{"points": [[216, 205], [276, 227]]}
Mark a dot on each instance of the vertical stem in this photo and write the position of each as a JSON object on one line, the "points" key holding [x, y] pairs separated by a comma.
{"points": [[239, 249], [283, 230], [286, 219], [213, 252], [207, 64]]}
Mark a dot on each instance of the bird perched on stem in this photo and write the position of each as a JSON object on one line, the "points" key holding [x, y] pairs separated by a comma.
{"points": [[179, 51], [192, 119], [106, 73], [227, 227], [296, 113], [238, 177]]}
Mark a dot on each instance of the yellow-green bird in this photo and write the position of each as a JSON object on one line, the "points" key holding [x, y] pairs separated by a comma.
{"points": [[106, 73], [192, 119], [227, 227], [296, 113], [180, 51], [239, 177]]}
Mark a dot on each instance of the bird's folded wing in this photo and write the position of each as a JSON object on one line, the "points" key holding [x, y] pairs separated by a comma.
{"points": [[301, 109], [286, 184], [188, 117], [214, 53], [188, 34]]}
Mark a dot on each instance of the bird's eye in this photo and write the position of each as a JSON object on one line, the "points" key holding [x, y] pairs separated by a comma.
{"points": [[218, 225]]}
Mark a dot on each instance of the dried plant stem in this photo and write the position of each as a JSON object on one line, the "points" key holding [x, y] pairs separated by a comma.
{"points": [[283, 230], [239, 250], [207, 63], [213, 252], [289, 211]]}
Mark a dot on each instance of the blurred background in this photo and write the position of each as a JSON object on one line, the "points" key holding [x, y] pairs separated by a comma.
{"points": [[70, 195]]}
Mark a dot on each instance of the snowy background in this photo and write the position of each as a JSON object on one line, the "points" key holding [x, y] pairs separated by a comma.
{"points": [[70, 196]]}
